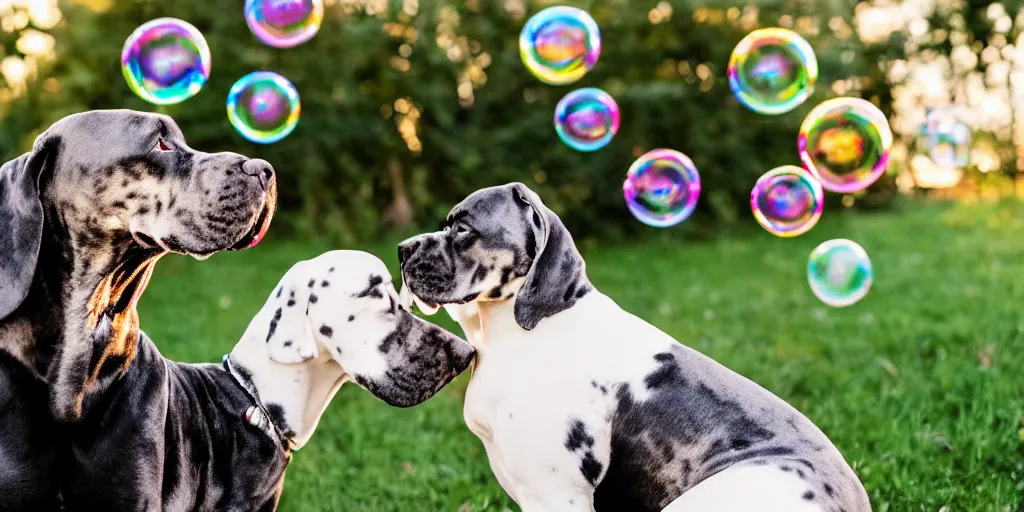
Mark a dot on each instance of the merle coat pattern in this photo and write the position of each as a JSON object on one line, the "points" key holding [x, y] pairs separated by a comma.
{"points": [[172, 436], [84, 217], [583, 406]]}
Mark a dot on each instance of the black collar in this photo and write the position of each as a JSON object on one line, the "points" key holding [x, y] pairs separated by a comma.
{"points": [[257, 415]]}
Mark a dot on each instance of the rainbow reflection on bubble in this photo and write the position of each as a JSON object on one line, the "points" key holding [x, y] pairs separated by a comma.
{"points": [[772, 70], [263, 106], [165, 61], [844, 143], [587, 119], [284, 23], [787, 201], [662, 188], [839, 272], [946, 139], [560, 44]]}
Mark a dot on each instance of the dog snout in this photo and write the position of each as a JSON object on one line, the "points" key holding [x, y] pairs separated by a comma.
{"points": [[260, 169], [406, 249]]}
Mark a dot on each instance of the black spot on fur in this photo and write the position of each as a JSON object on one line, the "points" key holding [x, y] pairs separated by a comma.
{"points": [[273, 324], [809, 495], [479, 274], [291, 302], [338, 349], [578, 437], [371, 289], [590, 467], [325, 283], [313, 298], [351, 317], [279, 290], [330, 269], [326, 330], [311, 283], [828, 490], [667, 373], [276, 413], [288, 343], [495, 293]]}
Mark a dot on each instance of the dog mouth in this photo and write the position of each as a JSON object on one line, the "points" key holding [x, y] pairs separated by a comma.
{"points": [[262, 224], [407, 298]]}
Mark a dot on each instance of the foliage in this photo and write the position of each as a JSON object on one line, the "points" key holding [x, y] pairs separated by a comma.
{"points": [[918, 385], [375, 83]]}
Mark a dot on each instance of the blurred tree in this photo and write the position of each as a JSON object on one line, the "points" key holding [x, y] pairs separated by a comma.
{"points": [[410, 105]]}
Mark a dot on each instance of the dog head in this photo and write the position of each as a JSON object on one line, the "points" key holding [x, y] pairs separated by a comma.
{"points": [[86, 214], [500, 243], [342, 307]]}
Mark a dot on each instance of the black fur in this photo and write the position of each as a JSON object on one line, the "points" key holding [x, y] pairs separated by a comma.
{"points": [[141, 448]]}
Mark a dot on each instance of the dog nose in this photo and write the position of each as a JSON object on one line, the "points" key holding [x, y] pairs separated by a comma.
{"points": [[260, 169], [406, 249]]}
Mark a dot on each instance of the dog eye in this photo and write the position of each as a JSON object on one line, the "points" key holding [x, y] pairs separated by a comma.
{"points": [[462, 229], [162, 145]]}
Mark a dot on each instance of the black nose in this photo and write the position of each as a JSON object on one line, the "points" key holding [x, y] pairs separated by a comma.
{"points": [[406, 249], [261, 169]]}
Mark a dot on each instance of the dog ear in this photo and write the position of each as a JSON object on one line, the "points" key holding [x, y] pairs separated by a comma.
{"points": [[289, 335], [21, 224], [557, 277]]}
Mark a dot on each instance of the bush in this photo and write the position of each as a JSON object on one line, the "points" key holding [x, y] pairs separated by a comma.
{"points": [[385, 139]]}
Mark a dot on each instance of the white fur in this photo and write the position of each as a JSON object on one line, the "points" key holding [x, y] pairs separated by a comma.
{"points": [[525, 384]]}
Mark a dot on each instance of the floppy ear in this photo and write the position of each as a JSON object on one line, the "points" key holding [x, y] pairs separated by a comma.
{"points": [[557, 277], [289, 335], [21, 225]]}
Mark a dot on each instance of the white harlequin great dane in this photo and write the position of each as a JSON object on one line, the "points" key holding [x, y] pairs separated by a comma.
{"points": [[582, 406]]}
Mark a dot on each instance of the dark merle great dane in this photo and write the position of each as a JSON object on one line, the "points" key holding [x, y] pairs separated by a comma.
{"points": [[218, 437], [84, 217], [584, 406]]}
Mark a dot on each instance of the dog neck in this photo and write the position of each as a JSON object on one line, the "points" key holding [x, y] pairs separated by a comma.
{"points": [[295, 395], [79, 323]]}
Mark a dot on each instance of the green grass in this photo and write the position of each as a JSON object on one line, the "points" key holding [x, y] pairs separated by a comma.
{"points": [[920, 385]]}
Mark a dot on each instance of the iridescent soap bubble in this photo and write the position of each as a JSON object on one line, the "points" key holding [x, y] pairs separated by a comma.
{"points": [[946, 139], [560, 44], [839, 272], [284, 23], [844, 143], [263, 106], [165, 61], [587, 119], [772, 70], [787, 201], [662, 188]]}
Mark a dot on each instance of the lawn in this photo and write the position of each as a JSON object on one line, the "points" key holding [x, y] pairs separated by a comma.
{"points": [[920, 385]]}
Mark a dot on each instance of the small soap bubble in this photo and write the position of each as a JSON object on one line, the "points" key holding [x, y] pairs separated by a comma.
{"points": [[284, 23], [662, 188], [787, 201], [587, 119], [165, 61], [772, 70], [845, 143], [946, 139], [560, 44], [839, 272], [263, 106]]}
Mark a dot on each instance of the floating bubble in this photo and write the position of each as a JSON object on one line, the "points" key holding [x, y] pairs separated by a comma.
{"points": [[284, 23], [772, 70], [662, 188], [560, 44], [587, 119], [946, 139], [844, 143], [165, 61], [263, 106], [839, 272], [787, 201]]}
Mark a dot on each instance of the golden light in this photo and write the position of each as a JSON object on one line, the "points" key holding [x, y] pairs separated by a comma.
{"points": [[929, 175]]}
